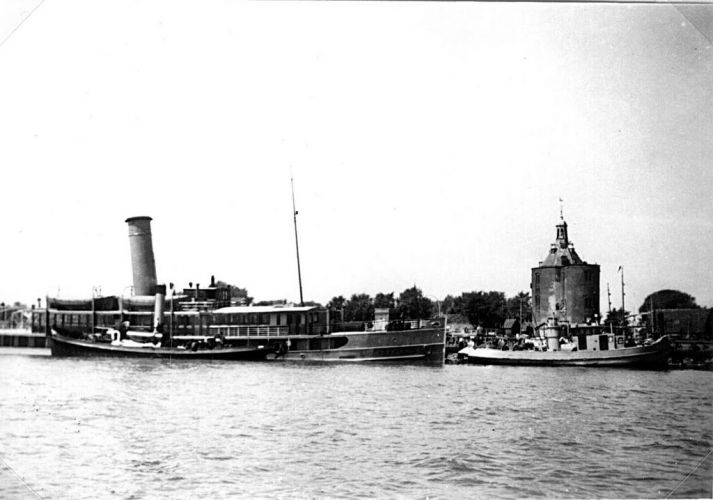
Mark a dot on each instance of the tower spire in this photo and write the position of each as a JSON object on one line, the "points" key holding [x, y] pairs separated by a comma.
{"points": [[562, 238]]}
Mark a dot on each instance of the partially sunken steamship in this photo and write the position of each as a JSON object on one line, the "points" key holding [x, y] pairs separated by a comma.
{"points": [[203, 323]]}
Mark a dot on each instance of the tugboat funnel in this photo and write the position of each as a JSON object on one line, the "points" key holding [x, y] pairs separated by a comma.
{"points": [[552, 335], [143, 264]]}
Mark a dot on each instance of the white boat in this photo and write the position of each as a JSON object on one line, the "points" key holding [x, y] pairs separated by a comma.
{"points": [[593, 349]]}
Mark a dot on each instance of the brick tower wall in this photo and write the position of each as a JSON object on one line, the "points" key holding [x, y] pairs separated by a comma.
{"points": [[568, 293]]}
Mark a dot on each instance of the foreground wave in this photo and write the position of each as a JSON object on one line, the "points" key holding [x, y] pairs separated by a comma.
{"points": [[132, 428]]}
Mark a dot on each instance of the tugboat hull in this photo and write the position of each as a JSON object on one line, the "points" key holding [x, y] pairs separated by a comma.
{"points": [[654, 356]]}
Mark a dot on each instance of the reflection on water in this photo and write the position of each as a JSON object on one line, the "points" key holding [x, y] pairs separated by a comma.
{"points": [[158, 429]]}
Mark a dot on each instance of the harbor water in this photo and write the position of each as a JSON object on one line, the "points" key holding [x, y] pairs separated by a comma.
{"points": [[121, 428]]}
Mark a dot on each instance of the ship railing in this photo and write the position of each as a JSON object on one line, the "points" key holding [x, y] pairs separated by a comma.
{"points": [[249, 330], [395, 325], [382, 325], [204, 305], [14, 324]]}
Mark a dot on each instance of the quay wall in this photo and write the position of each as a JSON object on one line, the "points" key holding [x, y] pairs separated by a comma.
{"points": [[22, 338]]}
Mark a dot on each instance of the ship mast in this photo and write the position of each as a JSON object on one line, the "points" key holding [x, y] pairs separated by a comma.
{"points": [[297, 245], [623, 309], [624, 319]]}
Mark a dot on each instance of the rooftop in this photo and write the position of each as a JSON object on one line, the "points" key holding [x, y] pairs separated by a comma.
{"points": [[264, 309], [562, 251]]}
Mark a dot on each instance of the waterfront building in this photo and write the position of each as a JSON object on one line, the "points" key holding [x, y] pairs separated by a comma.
{"points": [[681, 324], [511, 327], [564, 286]]}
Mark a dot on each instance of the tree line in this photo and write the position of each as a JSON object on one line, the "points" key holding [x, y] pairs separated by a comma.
{"points": [[488, 309]]}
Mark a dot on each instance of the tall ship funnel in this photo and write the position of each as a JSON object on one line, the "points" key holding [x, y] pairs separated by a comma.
{"points": [[143, 264]]}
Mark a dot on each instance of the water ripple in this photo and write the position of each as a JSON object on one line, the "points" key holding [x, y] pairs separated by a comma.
{"points": [[147, 429]]}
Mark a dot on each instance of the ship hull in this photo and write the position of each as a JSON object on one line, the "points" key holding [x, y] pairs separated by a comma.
{"points": [[62, 346], [422, 345], [654, 356]]}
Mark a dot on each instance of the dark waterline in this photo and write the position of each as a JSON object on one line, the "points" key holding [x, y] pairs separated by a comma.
{"points": [[87, 428]]}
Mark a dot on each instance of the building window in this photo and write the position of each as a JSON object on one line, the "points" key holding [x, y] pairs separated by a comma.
{"points": [[537, 301], [588, 303], [537, 280], [588, 276]]}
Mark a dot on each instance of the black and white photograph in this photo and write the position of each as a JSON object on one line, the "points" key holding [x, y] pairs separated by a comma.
{"points": [[326, 249]]}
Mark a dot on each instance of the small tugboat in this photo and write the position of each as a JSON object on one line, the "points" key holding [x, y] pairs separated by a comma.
{"points": [[589, 348]]}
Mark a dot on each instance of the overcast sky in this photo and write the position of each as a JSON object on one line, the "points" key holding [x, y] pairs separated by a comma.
{"points": [[429, 143]]}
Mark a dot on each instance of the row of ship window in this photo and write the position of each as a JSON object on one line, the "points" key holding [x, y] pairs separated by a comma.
{"points": [[108, 320]]}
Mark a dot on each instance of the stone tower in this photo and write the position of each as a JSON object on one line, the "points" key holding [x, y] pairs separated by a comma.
{"points": [[564, 286]]}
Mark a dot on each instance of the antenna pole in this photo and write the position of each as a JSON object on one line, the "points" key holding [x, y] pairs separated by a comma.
{"points": [[623, 309], [297, 245], [624, 319]]}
